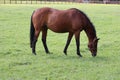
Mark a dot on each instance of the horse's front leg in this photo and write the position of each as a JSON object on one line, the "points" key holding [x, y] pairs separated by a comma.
{"points": [[67, 43], [77, 38], [44, 35]]}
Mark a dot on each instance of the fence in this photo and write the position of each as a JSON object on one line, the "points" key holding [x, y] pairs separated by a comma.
{"points": [[57, 1], [33, 1], [105, 1]]}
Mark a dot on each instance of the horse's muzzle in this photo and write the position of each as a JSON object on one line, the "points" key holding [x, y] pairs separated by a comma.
{"points": [[94, 54]]}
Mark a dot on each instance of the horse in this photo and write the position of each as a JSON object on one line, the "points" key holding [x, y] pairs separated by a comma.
{"points": [[71, 21]]}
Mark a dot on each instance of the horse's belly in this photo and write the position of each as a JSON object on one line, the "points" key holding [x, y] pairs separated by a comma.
{"points": [[58, 22], [58, 29]]}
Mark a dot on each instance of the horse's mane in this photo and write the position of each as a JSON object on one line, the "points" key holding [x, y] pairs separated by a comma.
{"points": [[90, 24]]}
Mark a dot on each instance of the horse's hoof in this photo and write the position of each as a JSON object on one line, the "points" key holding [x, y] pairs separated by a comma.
{"points": [[34, 53], [49, 53], [80, 55], [65, 53]]}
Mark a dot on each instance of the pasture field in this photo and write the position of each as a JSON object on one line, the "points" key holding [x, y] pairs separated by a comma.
{"points": [[18, 63]]}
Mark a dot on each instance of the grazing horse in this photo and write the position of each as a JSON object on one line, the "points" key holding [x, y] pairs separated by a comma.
{"points": [[72, 21]]}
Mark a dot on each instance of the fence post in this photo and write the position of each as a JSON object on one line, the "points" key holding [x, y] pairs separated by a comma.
{"points": [[15, 2], [4, 1]]}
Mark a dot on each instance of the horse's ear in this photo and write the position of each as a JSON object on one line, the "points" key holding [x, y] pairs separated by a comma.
{"points": [[98, 39]]}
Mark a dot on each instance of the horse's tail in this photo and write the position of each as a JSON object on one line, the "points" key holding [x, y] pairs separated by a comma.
{"points": [[32, 32]]}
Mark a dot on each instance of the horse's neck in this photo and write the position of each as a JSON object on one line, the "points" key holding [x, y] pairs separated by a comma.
{"points": [[91, 32]]}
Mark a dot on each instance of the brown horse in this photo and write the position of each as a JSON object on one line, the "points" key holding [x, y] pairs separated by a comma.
{"points": [[72, 21]]}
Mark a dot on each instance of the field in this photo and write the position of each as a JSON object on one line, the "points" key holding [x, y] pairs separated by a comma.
{"points": [[18, 63]]}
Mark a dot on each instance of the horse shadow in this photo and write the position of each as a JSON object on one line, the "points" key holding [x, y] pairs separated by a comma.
{"points": [[97, 59]]}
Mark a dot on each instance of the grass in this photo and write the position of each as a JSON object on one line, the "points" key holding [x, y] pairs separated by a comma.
{"points": [[18, 63]]}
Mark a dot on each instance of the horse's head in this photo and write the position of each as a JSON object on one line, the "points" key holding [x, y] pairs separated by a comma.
{"points": [[93, 46]]}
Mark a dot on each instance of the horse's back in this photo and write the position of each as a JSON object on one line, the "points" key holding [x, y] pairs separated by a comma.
{"points": [[59, 20]]}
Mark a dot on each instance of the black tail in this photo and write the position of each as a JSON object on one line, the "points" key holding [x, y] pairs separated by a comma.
{"points": [[32, 32]]}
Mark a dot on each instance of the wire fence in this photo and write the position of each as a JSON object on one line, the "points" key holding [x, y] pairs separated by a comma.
{"points": [[34, 1], [25, 1], [58, 1]]}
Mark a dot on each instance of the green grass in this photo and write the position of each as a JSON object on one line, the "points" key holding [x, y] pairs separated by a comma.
{"points": [[18, 63]]}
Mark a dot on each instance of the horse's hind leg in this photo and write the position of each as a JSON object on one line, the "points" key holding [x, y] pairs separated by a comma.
{"points": [[44, 35], [77, 36], [34, 46], [68, 42], [34, 41]]}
